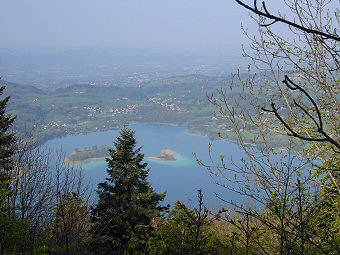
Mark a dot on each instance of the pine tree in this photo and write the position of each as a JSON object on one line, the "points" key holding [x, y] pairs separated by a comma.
{"points": [[7, 138], [122, 221], [7, 145]]}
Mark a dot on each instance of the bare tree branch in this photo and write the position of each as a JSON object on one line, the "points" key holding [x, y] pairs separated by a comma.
{"points": [[319, 124], [275, 19]]}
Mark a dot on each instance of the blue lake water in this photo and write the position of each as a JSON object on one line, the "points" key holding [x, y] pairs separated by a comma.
{"points": [[180, 179]]}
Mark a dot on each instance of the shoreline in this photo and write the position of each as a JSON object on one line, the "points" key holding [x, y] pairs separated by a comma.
{"points": [[85, 161], [46, 138], [162, 159], [190, 130]]}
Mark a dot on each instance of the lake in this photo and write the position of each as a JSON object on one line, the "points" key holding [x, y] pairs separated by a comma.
{"points": [[180, 179]]}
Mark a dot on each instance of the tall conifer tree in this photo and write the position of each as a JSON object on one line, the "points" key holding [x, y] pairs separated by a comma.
{"points": [[7, 138], [122, 219], [7, 145]]}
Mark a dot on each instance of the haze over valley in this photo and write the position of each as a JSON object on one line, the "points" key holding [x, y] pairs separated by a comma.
{"points": [[151, 127]]}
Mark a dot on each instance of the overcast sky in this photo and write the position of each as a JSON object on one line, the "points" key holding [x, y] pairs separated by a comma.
{"points": [[157, 24]]}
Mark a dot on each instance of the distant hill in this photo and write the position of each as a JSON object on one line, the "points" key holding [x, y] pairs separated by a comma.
{"points": [[15, 89], [80, 108]]}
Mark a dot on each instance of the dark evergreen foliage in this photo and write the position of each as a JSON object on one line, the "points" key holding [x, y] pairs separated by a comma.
{"points": [[7, 138], [128, 205], [7, 145]]}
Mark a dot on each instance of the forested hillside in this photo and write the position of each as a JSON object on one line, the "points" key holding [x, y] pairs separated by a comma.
{"points": [[86, 108]]}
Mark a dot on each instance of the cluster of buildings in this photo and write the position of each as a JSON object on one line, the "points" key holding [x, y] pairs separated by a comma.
{"points": [[166, 103], [111, 110], [83, 116], [54, 125], [128, 109]]}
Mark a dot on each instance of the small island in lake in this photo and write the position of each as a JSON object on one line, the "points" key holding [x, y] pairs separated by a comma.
{"points": [[88, 154], [166, 155]]}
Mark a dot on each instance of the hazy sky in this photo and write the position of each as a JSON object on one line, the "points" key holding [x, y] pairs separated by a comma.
{"points": [[130, 23]]}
